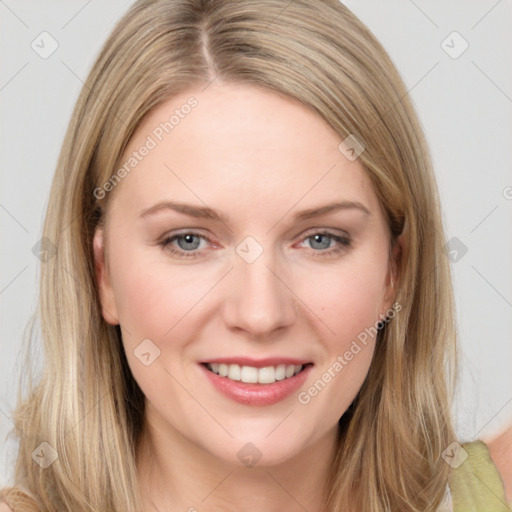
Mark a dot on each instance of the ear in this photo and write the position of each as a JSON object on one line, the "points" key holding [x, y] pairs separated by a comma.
{"points": [[396, 258], [106, 293]]}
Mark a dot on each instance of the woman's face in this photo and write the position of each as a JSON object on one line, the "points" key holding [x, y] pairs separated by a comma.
{"points": [[250, 267]]}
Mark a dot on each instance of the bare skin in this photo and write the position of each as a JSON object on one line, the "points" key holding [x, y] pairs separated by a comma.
{"points": [[500, 450], [258, 159]]}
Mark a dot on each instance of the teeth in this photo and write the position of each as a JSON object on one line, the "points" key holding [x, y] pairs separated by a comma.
{"points": [[252, 375], [249, 374], [267, 375], [234, 372], [223, 370], [281, 372]]}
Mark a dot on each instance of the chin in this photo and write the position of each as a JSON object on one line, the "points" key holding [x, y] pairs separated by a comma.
{"points": [[261, 447]]}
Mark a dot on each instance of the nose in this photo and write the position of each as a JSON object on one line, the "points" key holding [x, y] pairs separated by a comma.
{"points": [[261, 301]]}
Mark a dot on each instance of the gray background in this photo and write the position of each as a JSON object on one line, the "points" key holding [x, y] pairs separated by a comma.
{"points": [[465, 106]]}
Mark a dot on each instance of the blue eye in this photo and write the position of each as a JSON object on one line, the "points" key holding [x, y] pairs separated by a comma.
{"points": [[321, 239], [190, 241], [322, 242], [187, 242]]}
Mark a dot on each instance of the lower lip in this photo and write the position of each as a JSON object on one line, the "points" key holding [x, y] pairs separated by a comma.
{"points": [[257, 394]]}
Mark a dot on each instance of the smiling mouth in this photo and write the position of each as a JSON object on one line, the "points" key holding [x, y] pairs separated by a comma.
{"points": [[253, 375]]}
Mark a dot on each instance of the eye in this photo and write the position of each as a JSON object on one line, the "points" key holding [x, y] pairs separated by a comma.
{"points": [[325, 243], [187, 244]]}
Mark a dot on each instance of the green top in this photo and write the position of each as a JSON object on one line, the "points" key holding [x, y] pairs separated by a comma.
{"points": [[475, 484]]}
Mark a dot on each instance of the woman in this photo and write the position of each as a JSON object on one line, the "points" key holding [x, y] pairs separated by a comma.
{"points": [[249, 307]]}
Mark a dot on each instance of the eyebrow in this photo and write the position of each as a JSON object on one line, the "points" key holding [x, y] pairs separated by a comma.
{"points": [[208, 213], [328, 208]]}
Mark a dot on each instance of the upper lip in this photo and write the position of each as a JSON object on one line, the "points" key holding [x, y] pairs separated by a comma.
{"points": [[258, 363]]}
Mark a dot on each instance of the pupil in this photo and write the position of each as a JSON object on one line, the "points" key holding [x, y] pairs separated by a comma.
{"points": [[188, 239], [318, 238]]}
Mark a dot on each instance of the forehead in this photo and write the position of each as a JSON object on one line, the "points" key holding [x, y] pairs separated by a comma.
{"points": [[239, 145]]}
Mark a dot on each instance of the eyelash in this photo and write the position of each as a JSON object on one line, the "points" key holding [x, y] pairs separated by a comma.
{"points": [[344, 243]]}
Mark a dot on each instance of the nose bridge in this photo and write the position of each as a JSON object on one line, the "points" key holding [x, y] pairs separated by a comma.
{"points": [[261, 302]]}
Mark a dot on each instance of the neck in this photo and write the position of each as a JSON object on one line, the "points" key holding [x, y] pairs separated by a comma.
{"points": [[178, 475]]}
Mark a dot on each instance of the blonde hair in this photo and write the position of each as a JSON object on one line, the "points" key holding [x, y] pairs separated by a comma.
{"points": [[87, 405]]}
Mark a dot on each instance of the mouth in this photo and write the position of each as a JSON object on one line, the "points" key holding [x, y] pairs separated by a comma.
{"points": [[256, 374], [256, 383]]}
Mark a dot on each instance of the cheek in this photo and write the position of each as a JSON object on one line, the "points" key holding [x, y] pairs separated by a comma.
{"points": [[349, 306], [348, 298], [153, 304], [152, 297]]}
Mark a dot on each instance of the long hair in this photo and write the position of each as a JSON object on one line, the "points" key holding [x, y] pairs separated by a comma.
{"points": [[86, 405]]}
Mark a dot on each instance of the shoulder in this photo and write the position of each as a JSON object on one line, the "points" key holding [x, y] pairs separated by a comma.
{"points": [[500, 450], [474, 480], [16, 499]]}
